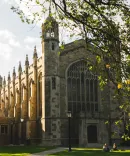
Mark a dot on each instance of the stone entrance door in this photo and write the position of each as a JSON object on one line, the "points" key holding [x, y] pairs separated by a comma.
{"points": [[92, 133]]}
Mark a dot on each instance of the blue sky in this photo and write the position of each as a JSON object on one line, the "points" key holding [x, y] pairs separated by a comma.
{"points": [[17, 39]]}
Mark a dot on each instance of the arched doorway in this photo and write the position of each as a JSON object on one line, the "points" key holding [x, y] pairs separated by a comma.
{"points": [[92, 133]]}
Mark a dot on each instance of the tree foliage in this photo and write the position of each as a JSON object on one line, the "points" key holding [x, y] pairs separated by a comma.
{"points": [[96, 21]]}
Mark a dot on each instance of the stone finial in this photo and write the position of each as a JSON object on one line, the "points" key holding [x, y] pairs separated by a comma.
{"points": [[14, 73], [19, 68], [9, 77], [35, 52], [26, 61]]}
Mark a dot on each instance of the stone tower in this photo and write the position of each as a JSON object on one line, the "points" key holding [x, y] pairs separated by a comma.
{"points": [[51, 81]]}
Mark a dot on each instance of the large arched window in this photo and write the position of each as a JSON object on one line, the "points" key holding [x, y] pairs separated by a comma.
{"points": [[82, 88]]}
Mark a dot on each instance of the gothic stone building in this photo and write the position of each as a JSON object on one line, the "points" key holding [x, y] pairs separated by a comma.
{"points": [[34, 104]]}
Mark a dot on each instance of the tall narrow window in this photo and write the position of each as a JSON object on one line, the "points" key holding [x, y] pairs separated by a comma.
{"points": [[40, 95], [4, 129], [22, 99], [22, 93], [17, 95], [30, 89], [52, 32], [53, 83], [30, 94], [53, 46], [14, 111], [48, 34]]}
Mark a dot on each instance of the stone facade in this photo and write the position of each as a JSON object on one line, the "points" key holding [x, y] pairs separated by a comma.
{"points": [[35, 103]]}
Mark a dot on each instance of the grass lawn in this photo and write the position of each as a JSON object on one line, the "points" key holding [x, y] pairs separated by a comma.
{"points": [[21, 150], [91, 152]]}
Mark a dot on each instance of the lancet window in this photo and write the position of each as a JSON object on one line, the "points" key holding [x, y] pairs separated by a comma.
{"points": [[30, 89], [53, 83], [22, 93], [82, 88], [53, 46], [40, 95], [52, 32]]}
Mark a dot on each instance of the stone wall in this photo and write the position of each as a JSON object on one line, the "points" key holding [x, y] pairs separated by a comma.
{"points": [[75, 52]]}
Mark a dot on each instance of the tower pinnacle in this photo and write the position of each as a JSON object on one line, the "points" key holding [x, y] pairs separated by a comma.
{"points": [[19, 68], [26, 61], [14, 73], [9, 76], [35, 52]]}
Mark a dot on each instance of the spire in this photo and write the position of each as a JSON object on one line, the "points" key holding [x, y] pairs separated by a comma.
{"points": [[50, 9], [50, 18], [19, 68], [35, 52], [26, 61], [9, 77], [50, 29]]}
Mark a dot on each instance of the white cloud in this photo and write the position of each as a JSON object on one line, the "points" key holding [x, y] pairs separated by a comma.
{"points": [[5, 34], [27, 47], [8, 37], [23, 5], [32, 40], [5, 50], [14, 43], [8, 1], [29, 8]]}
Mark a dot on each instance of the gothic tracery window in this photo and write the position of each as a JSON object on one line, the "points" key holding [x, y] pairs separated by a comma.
{"points": [[82, 88]]}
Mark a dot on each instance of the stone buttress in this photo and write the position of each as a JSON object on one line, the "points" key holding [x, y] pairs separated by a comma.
{"points": [[33, 100]]}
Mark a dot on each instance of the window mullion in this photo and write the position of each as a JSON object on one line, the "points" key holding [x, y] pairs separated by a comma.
{"points": [[93, 95], [85, 90], [89, 94], [80, 92]]}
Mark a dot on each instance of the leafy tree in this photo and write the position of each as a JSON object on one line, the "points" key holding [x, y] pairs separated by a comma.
{"points": [[96, 21]]}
